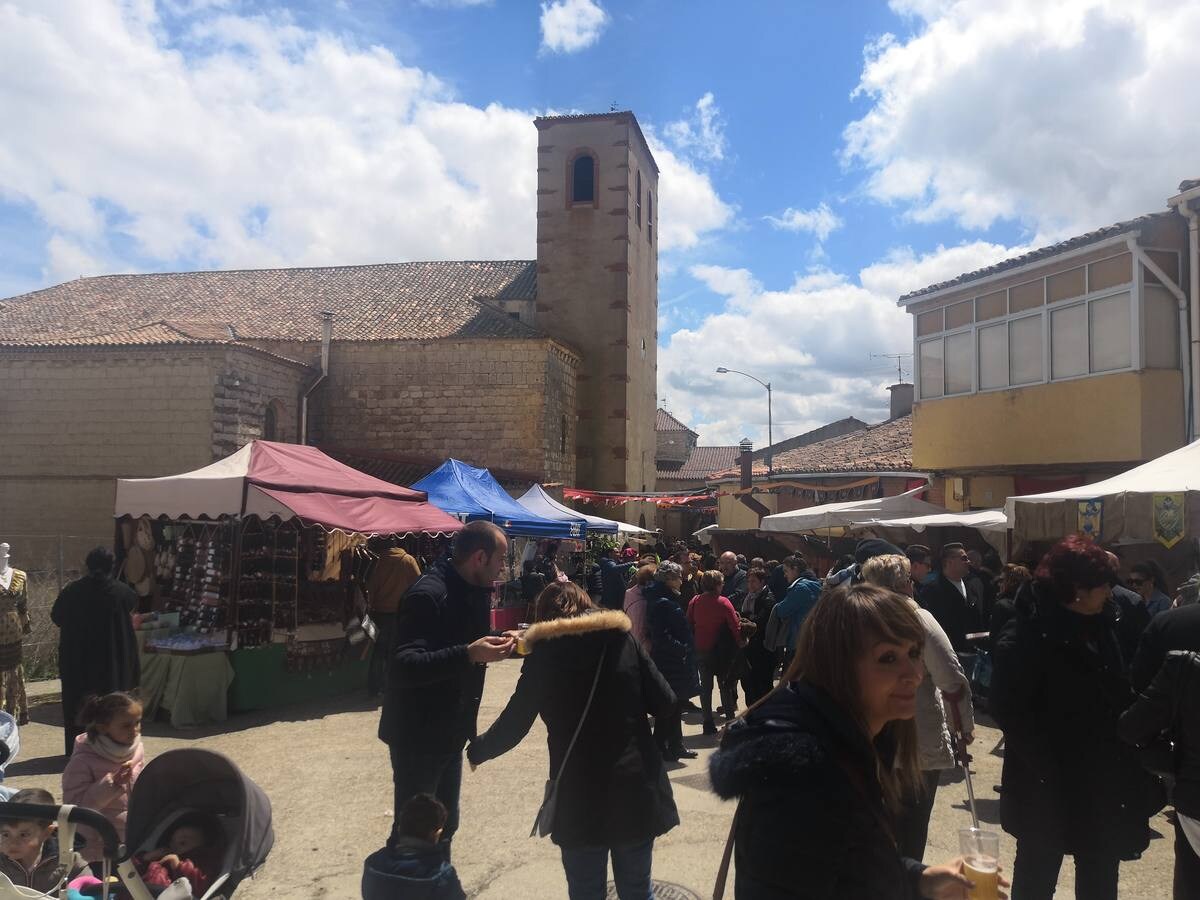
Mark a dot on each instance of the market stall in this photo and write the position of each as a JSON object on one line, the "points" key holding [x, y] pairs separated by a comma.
{"points": [[248, 569], [834, 519], [989, 524], [1154, 502]]}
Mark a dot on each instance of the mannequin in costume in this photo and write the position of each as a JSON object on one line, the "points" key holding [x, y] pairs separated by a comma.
{"points": [[14, 625]]}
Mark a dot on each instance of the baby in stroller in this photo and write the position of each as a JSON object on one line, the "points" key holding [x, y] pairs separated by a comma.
{"points": [[193, 848]]}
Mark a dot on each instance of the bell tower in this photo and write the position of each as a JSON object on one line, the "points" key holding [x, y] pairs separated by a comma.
{"points": [[597, 289]]}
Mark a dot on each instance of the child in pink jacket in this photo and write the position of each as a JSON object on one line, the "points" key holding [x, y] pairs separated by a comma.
{"points": [[107, 760]]}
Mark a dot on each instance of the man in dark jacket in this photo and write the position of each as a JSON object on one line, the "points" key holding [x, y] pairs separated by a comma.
{"points": [[97, 650], [614, 580], [956, 603], [1175, 629], [435, 681], [735, 579], [759, 674]]}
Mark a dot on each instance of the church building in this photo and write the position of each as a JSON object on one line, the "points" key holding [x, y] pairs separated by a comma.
{"points": [[543, 370]]}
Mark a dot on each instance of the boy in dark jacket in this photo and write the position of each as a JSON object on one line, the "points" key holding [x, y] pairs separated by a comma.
{"points": [[413, 866], [29, 852]]}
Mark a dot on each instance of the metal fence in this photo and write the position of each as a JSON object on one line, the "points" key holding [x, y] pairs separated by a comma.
{"points": [[50, 561]]}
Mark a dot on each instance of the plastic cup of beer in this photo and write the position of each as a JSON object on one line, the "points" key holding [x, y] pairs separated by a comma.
{"points": [[981, 852]]}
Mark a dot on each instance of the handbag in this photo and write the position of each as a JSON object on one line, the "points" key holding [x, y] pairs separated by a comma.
{"points": [[544, 821]]}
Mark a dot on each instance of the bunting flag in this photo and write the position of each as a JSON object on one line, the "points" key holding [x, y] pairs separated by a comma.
{"points": [[701, 499], [1168, 519], [1091, 518]]}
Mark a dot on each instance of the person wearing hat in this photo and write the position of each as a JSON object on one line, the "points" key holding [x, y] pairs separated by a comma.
{"points": [[1176, 629]]}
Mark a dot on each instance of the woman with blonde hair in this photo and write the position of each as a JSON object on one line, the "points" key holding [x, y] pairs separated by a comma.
{"points": [[821, 764], [592, 685], [635, 604], [946, 684]]}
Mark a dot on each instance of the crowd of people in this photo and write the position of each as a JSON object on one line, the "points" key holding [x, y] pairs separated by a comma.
{"points": [[843, 698]]}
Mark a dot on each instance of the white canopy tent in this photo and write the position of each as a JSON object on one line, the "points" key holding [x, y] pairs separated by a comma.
{"points": [[850, 513], [540, 502], [1127, 512], [989, 520]]}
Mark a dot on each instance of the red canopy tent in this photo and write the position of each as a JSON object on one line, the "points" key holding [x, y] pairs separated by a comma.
{"points": [[285, 481]]}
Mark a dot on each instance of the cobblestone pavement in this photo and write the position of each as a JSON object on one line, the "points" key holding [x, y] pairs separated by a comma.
{"points": [[329, 780]]}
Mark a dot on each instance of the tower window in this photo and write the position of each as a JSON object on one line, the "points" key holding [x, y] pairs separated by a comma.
{"points": [[649, 217], [562, 435], [638, 202], [271, 422], [583, 179]]}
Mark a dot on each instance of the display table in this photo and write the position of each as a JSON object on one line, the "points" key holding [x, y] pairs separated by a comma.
{"points": [[262, 681], [194, 689]]}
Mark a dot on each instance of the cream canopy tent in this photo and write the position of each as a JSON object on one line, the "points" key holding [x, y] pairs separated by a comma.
{"points": [[990, 520], [1126, 501], [850, 513], [541, 503]]}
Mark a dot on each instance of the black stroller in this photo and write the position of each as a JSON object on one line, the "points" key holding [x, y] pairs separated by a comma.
{"points": [[176, 784]]}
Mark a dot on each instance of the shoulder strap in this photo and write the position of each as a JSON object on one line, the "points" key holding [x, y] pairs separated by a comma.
{"points": [[587, 707]]}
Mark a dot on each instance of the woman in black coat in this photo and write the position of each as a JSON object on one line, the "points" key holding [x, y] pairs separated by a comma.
{"points": [[97, 650], [1070, 786], [1171, 703], [674, 654], [820, 764], [760, 663], [613, 795]]}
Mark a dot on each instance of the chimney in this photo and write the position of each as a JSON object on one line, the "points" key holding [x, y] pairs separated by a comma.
{"points": [[747, 463], [902, 400]]}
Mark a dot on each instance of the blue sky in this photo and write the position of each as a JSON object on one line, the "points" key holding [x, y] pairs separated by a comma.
{"points": [[818, 159]]}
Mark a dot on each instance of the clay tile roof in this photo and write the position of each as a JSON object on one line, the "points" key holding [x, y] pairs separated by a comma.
{"points": [[1081, 240], [664, 421], [702, 463], [886, 447], [393, 301]]}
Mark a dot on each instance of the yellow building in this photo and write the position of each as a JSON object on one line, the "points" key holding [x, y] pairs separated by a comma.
{"points": [[1054, 368]]}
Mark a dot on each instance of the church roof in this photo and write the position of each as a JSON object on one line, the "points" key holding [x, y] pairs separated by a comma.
{"points": [[392, 301]]}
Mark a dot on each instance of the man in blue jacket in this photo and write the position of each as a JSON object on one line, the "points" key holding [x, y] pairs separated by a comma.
{"points": [[435, 681], [614, 579]]}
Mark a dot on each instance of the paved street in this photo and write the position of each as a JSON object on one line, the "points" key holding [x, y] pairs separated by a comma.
{"points": [[329, 780]]}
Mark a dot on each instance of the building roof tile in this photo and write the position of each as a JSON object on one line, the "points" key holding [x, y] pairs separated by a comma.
{"points": [[886, 447], [702, 463], [1081, 240], [392, 301], [664, 421]]}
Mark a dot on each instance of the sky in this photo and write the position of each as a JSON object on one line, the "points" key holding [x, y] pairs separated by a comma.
{"points": [[817, 159]]}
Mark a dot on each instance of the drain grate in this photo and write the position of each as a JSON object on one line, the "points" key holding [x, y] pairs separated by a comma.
{"points": [[663, 890]]}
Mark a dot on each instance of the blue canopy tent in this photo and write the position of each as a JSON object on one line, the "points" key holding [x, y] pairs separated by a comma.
{"points": [[470, 493]]}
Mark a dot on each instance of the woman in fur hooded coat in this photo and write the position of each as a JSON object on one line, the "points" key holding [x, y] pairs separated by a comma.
{"points": [[613, 796]]}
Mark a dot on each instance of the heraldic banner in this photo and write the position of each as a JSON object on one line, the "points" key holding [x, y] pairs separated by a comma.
{"points": [[1090, 518], [1168, 519]]}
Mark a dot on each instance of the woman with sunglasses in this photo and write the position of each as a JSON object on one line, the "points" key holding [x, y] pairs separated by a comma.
{"points": [[1070, 785]]}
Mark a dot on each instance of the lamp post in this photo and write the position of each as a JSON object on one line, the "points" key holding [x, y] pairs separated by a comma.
{"points": [[721, 370]]}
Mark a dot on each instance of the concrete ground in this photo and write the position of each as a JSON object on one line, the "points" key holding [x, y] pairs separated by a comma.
{"points": [[329, 780]]}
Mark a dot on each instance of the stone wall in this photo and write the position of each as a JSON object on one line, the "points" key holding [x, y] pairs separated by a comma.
{"points": [[247, 384], [488, 402], [76, 420]]}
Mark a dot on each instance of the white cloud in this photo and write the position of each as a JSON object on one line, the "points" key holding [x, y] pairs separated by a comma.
{"points": [[812, 340], [453, 4], [571, 25], [249, 143], [1064, 115], [821, 221], [701, 134]]}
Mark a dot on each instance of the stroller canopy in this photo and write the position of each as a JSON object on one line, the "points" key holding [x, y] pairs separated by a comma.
{"points": [[205, 781]]}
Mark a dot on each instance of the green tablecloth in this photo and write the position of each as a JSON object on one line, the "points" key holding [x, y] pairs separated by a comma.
{"points": [[193, 688]]}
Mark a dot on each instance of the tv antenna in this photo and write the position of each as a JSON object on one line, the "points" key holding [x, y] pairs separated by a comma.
{"points": [[899, 358]]}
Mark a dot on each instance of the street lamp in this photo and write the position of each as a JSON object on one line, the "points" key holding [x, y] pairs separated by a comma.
{"points": [[721, 370]]}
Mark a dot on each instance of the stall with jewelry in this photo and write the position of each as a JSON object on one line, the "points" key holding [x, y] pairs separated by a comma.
{"points": [[250, 576]]}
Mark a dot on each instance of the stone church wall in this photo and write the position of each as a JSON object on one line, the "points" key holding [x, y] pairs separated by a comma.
{"points": [[76, 420], [490, 402]]}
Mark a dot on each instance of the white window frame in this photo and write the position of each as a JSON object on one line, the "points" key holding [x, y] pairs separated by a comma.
{"points": [[1137, 338]]}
